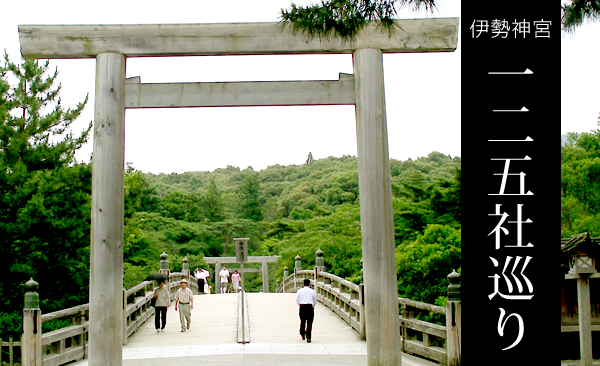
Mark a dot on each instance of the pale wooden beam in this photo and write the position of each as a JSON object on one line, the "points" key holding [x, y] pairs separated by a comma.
{"points": [[265, 277], [251, 259], [376, 212], [87, 41], [106, 247], [230, 94]]}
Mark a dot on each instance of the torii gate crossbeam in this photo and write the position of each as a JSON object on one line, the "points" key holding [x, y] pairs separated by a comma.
{"points": [[112, 44]]}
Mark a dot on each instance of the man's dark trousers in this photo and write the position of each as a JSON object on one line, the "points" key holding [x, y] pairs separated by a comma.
{"points": [[307, 314]]}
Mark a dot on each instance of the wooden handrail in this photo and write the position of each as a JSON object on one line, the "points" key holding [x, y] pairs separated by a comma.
{"points": [[344, 282], [345, 299], [75, 310], [422, 305], [135, 314], [138, 287]]}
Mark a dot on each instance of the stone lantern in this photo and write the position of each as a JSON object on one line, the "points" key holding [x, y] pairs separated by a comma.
{"points": [[582, 263], [581, 250]]}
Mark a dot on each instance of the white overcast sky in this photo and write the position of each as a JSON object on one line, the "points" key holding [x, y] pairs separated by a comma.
{"points": [[422, 91], [580, 81]]}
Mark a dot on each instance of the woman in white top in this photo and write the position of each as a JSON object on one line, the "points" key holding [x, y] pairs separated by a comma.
{"points": [[200, 277]]}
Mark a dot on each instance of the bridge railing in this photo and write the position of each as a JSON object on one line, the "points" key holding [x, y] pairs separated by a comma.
{"points": [[421, 337], [341, 296], [418, 337], [70, 343]]}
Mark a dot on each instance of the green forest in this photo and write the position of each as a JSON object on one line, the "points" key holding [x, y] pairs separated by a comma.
{"points": [[580, 184], [284, 210]]}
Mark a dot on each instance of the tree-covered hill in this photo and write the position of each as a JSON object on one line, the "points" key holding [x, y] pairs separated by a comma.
{"points": [[580, 184], [295, 210]]}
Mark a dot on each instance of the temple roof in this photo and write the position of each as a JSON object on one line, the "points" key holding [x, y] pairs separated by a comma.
{"points": [[581, 241]]}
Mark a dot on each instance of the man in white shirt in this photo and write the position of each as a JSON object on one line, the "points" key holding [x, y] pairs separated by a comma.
{"points": [[184, 297], [224, 275], [306, 297]]}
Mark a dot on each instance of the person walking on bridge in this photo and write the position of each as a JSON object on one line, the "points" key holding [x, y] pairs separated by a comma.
{"points": [[306, 298], [184, 297], [235, 281], [200, 277], [224, 275], [163, 301]]}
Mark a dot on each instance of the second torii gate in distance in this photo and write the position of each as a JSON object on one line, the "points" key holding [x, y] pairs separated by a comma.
{"points": [[265, 260]]}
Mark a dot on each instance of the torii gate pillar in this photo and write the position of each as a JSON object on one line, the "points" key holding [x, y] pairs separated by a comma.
{"points": [[376, 213], [106, 249]]}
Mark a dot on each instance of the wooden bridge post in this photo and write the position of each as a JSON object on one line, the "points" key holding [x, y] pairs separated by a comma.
{"points": [[106, 247], [453, 321], [164, 264], [319, 265], [217, 278], [164, 269], [124, 316], [376, 213], [361, 296], [185, 269], [265, 276], [285, 275], [297, 267], [31, 342]]}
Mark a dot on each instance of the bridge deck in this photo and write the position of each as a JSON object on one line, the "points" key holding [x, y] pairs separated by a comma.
{"points": [[214, 321], [274, 319], [274, 337]]}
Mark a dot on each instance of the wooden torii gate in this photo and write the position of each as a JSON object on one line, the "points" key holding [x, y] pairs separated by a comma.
{"points": [[111, 45], [264, 260]]}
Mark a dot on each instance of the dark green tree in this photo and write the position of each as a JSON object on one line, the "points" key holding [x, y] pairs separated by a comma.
{"points": [[44, 193], [580, 183], [212, 203], [178, 205], [345, 18], [423, 263], [139, 195], [250, 204], [445, 200], [575, 12]]}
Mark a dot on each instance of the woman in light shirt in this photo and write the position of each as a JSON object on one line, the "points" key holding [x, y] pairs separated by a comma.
{"points": [[163, 301], [235, 279]]}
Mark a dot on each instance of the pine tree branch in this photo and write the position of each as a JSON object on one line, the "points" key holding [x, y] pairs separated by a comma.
{"points": [[576, 12], [345, 18]]}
